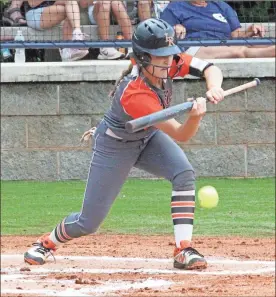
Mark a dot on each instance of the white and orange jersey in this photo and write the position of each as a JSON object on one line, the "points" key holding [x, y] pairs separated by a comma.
{"points": [[136, 97]]}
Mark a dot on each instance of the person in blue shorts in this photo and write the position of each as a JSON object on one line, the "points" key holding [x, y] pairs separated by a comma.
{"points": [[213, 20], [43, 15]]}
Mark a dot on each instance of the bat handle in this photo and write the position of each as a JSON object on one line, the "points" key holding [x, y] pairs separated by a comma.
{"points": [[244, 87]]}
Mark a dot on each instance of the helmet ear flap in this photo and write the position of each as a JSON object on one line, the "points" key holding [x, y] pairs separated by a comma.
{"points": [[143, 59]]}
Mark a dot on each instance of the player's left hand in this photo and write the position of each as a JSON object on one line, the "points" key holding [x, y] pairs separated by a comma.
{"points": [[199, 108], [215, 95]]}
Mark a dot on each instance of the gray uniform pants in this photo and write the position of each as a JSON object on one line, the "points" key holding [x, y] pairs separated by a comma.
{"points": [[111, 162]]}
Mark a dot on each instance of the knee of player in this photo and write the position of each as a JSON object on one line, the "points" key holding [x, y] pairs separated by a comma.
{"points": [[184, 181]]}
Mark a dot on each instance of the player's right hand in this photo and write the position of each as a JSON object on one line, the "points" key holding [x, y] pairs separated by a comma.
{"points": [[199, 107]]}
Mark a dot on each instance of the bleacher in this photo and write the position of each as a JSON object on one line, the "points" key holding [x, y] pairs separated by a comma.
{"points": [[55, 34], [91, 30]]}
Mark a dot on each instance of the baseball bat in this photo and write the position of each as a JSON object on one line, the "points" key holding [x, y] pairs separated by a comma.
{"points": [[168, 113]]}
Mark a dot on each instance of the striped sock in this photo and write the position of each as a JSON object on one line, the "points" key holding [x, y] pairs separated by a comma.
{"points": [[182, 209], [59, 235]]}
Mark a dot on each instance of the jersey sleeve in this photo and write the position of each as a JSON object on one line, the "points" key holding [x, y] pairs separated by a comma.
{"points": [[184, 64], [232, 17], [139, 105], [169, 16]]}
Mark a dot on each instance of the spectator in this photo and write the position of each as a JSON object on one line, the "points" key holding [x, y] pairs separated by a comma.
{"points": [[47, 14], [159, 7], [12, 15], [147, 8], [99, 13], [144, 9], [213, 20]]}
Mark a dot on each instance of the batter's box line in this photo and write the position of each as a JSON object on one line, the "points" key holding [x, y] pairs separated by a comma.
{"points": [[141, 271], [210, 260], [269, 266]]}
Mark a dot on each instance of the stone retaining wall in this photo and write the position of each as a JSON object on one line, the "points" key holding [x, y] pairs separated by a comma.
{"points": [[41, 125]]}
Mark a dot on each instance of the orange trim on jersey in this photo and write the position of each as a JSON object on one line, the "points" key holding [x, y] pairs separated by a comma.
{"points": [[184, 69], [139, 100], [182, 204]]}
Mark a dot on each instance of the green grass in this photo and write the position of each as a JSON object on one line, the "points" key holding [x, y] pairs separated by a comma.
{"points": [[246, 207]]}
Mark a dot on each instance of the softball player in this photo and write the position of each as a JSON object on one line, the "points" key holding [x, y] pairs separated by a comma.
{"points": [[146, 87]]}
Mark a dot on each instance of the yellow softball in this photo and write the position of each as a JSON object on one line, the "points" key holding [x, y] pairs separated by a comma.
{"points": [[208, 197]]}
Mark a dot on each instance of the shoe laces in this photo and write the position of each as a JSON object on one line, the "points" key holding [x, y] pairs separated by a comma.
{"points": [[43, 250], [191, 251]]}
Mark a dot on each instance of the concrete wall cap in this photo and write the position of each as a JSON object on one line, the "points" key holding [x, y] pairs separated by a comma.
{"points": [[94, 70]]}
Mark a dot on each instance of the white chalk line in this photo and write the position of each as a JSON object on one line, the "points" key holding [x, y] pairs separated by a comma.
{"points": [[22, 279], [141, 270], [108, 287], [269, 269], [44, 292], [158, 260]]}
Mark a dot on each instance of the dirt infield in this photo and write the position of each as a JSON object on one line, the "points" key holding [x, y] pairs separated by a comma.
{"points": [[132, 265]]}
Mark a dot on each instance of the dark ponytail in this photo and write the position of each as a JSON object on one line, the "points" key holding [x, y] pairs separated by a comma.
{"points": [[124, 73]]}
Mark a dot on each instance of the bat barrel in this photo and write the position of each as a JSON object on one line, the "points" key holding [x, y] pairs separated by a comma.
{"points": [[162, 115]]}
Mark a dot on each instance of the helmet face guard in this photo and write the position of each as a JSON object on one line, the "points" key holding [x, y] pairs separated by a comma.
{"points": [[145, 61], [153, 37]]}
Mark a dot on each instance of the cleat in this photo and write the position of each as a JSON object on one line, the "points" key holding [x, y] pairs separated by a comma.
{"points": [[40, 251], [188, 258]]}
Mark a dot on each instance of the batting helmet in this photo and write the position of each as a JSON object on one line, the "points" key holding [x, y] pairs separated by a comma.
{"points": [[154, 37]]}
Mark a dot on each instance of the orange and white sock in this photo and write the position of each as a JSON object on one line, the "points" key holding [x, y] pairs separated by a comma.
{"points": [[59, 235], [182, 210]]}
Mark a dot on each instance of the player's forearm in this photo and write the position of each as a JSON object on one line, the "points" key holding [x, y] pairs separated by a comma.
{"points": [[213, 76], [188, 129]]}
